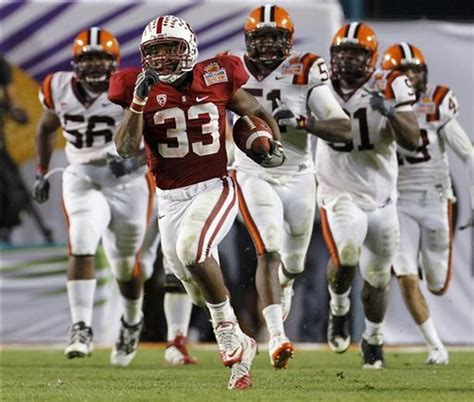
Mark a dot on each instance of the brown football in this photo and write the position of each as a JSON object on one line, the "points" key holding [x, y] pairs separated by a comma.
{"points": [[252, 133]]}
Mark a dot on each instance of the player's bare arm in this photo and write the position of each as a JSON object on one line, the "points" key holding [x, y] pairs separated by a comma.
{"points": [[48, 124], [331, 123], [129, 133], [404, 128], [244, 103]]}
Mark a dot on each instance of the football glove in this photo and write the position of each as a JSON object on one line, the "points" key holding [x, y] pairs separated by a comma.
{"points": [[285, 117], [276, 157], [144, 82], [382, 105], [121, 166], [40, 188]]}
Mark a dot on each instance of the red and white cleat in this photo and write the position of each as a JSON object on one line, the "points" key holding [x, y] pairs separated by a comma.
{"points": [[281, 350], [176, 352], [230, 342], [240, 377]]}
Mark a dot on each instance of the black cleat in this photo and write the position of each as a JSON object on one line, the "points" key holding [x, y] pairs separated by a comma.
{"points": [[372, 355], [339, 336]]}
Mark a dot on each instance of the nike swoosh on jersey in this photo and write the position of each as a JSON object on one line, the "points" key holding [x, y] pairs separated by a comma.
{"points": [[280, 77], [200, 99]]}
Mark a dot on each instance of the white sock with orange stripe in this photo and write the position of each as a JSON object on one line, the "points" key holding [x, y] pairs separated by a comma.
{"points": [[273, 315], [339, 304], [132, 310], [80, 294]]}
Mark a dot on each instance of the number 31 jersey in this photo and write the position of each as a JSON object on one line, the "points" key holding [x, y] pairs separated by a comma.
{"points": [[289, 84], [366, 168], [88, 125], [427, 168]]}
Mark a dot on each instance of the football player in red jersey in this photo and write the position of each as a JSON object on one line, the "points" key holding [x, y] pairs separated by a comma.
{"points": [[179, 106]]}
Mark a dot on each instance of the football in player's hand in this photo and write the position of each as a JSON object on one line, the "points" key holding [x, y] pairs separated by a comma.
{"points": [[252, 134]]}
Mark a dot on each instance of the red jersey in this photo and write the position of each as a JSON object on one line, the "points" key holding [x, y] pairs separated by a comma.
{"points": [[184, 131]]}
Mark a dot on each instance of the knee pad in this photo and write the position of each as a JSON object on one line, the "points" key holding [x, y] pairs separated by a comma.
{"points": [[349, 254], [173, 284], [377, 276], [437, 278], [123, 268], [186, 249], [83, 237], [294, 263]]}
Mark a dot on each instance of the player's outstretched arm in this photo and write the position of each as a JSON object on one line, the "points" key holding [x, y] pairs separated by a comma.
{"points": [[244, 103], [44, 138], [457, 139], [331, 123], [405, 129], [129, 133]]}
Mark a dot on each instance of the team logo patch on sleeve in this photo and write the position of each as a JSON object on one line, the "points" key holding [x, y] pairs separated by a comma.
{"points": [[161, 99], [213, 73]]}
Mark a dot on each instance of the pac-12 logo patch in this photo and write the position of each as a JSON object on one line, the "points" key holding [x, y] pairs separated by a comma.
{"points": [[213, 73], [161, 99]]}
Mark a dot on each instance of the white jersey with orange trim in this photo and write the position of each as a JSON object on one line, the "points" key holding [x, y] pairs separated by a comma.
{"points": [[289, 83], [88, 124], [366, 168], [427, 168]]}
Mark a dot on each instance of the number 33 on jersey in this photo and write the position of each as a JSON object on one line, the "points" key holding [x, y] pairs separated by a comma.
{"points": [[184, 130]]}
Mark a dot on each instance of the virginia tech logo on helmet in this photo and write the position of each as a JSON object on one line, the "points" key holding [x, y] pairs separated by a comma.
{"points": [[213, 73], [161, 99]]}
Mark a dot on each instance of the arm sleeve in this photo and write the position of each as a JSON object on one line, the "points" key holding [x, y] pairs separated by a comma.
{"points": [[403, 93], [457, 139], [322, 103], [5, 72], [121, 87], [45, 93]]}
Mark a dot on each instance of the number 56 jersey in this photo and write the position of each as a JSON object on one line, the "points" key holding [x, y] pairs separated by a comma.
{"points": [[88, 124], [366, 168]]}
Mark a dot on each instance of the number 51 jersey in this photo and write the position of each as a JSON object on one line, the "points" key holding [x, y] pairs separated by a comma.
{"points": [[366, 168], [88, 124]]}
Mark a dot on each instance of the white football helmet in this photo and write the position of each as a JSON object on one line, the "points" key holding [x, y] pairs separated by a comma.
{"points": [[169, 46]]}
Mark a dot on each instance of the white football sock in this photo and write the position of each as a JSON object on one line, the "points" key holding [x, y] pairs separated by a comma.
{"points": [[429, 333], [221, 312], [373, 333], [178, 308], [132, 310], [81, 299], [284, 280], [340, 304], [274, 318]]}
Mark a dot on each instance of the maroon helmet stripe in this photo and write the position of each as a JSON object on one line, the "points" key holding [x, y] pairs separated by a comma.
{"points": [[159, 25]]}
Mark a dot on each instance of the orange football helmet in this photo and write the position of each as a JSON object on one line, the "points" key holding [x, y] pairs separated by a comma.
{"points": [[95, 55], [354, 53], [409, 60], [269, 35]]}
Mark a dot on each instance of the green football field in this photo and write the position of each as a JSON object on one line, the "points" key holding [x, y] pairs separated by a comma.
{"points": [[312, 376]]}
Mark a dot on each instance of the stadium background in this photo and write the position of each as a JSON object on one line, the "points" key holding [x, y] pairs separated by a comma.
{"points": [[36, 38]]}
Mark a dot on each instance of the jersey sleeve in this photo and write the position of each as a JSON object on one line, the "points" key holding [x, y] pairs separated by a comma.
{"points": [[121, 87], [398, 88], [318, 73], [46, 93], [447, 104]]}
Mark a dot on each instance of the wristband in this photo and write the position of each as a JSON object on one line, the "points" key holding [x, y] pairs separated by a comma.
{"points": [[138, 105]]}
